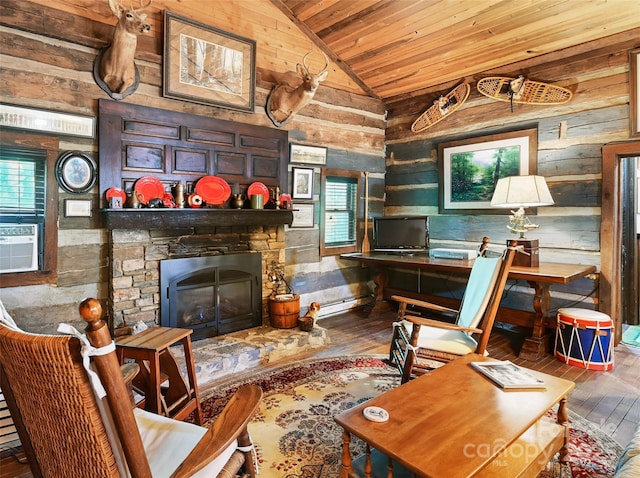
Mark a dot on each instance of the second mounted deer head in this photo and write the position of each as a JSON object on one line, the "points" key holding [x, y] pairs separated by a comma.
{"points": [[294, 91], [116, 69]]}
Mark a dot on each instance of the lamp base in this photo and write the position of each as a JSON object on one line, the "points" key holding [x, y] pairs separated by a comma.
{"points": [[532, 256]]}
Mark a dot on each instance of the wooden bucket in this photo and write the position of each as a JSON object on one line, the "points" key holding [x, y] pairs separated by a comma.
{"points": [[284, 313]]}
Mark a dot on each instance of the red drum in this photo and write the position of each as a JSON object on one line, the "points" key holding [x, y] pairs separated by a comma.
{"points": [[584, 339]]}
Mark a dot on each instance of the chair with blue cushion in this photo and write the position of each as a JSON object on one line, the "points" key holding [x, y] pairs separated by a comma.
{"points": [[423, 342]]}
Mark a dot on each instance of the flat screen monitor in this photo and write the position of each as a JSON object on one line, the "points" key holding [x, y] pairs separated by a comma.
{"points": [[400, 233]]}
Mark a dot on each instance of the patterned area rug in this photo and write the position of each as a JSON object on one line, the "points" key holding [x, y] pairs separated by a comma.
{"points": [[296, 436]]}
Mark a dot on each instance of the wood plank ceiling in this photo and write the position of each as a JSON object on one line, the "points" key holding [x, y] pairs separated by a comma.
{"points": [[402, 48]]}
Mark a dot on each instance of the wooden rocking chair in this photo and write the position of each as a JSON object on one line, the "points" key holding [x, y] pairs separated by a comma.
{"points": [[67, 430], [420, 343]]}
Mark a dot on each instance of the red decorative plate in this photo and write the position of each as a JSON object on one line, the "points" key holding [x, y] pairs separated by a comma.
{"points": [[213, 190], [116, 193], [148, 188], [259, 188]]}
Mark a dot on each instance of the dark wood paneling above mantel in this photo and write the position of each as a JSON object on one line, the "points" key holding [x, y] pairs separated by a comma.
{"points": [[167, 219], [173, 147]]}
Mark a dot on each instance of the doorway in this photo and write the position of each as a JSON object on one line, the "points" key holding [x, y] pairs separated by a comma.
{"points": [[630, 222], [616, 285]]}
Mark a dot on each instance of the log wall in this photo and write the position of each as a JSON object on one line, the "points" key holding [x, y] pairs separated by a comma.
{"points": [[47, 50], [570, 140]]}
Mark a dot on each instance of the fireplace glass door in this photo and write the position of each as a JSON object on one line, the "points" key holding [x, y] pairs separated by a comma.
{"points": [[212, 295]]}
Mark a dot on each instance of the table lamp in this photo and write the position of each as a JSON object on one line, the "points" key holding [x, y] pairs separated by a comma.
{"points": [[521, 192]]}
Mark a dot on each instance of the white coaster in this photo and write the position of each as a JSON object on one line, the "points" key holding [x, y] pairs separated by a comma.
{"points": [[376, 414]]}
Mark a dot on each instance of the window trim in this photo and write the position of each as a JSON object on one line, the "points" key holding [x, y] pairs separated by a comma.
{"points": [[48, 273], [342, 173]]}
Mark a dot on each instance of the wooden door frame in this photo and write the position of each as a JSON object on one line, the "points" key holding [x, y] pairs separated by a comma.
{"points": [[610, 294]]}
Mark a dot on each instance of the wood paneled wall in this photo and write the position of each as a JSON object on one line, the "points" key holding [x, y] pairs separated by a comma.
{"points": [[47, 52], [570, 140]]}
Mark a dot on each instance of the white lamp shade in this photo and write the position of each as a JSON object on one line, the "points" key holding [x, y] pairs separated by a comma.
{"points": [[521, 191]]}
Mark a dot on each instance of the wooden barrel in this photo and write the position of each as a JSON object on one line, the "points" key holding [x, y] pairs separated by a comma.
{"points": [[284, 312]]}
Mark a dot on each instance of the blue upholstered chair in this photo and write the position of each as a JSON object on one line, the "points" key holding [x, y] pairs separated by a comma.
{"points": [[423, 340]]}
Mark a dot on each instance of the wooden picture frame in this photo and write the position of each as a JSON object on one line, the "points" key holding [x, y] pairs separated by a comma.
{"points": [[302, 186], [308, 154], [467, 169], [35, 119], [303, 215], [203, 64], [77, 207], [634, 91], [76, 172]]}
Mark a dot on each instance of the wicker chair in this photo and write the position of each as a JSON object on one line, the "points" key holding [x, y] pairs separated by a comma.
{"points": [[67, 431], [420, 344]]}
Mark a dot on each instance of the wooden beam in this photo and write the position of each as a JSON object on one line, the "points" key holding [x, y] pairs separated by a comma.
{"points": [[325, 49]]}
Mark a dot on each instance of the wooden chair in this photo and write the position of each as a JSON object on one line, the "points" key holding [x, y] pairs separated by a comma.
{"points": [[67, 431], [419, 344]]}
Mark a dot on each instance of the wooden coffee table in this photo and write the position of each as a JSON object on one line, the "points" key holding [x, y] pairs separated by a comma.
{"points": [[455, 422]]}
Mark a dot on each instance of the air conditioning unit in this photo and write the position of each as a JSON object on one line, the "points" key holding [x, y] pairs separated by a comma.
{"points": [[18, 248]]}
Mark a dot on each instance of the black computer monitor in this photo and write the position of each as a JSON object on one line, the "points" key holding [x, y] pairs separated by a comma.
{"points": [[400, 233]]}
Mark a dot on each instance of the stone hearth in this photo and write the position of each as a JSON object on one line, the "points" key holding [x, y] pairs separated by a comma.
{"points": [[217, 357]]}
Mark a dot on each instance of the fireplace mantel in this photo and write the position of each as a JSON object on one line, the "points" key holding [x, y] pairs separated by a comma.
{"points": [[152, 218]]}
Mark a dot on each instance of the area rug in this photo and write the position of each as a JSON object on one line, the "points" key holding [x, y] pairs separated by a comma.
{"points": [[296, 436]]}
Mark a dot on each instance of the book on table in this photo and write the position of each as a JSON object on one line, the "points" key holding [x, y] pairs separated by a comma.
{"points": [[508, 375]]}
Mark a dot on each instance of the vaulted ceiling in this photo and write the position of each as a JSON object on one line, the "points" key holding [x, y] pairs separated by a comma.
{"points": [[394, 48]]}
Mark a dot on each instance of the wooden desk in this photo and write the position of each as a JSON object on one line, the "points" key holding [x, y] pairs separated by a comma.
{"points": [[457, 423], [146, 348], [540, 279]]}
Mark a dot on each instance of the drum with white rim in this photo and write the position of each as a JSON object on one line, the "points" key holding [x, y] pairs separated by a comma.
{"points": [[584, 338]]}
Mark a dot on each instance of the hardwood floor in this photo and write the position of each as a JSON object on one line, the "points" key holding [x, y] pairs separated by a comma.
{"points": [[609, 399]]}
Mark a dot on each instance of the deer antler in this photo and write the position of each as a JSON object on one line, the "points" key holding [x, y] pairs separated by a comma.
{"points": [[142, 7], [306, 67]]}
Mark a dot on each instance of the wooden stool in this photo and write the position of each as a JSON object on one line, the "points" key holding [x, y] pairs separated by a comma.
{"points": [[150, 349]]}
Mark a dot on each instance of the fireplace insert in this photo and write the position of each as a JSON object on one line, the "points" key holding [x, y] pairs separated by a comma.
{"points": [[213, 295]]}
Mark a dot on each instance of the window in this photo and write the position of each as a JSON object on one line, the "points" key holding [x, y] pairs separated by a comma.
{"points": [[28, 209], [339, 220]]}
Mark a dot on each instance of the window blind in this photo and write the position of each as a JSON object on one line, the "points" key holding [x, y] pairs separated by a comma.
{"points": [[340, 211], [22, 186]]}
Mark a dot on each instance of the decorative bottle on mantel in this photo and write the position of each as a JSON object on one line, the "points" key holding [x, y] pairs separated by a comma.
{"points": [[178, 195], [132, 201], [238, 201]]}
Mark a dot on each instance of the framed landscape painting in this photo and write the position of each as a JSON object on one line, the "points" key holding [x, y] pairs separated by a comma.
{"points": [[206, 65], [308, 154], [470, 168]]}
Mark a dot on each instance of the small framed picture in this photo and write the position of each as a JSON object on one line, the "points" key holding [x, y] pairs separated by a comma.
{"points": [[76, 172], [303, 215], [308, 154], [77, 207], [302, 183]]}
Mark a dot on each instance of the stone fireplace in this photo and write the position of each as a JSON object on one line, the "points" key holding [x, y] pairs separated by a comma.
{"points": [[136, 255]]}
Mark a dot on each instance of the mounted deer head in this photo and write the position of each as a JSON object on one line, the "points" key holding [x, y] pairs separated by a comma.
{"points": [[116, 66], [294, 91]]}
